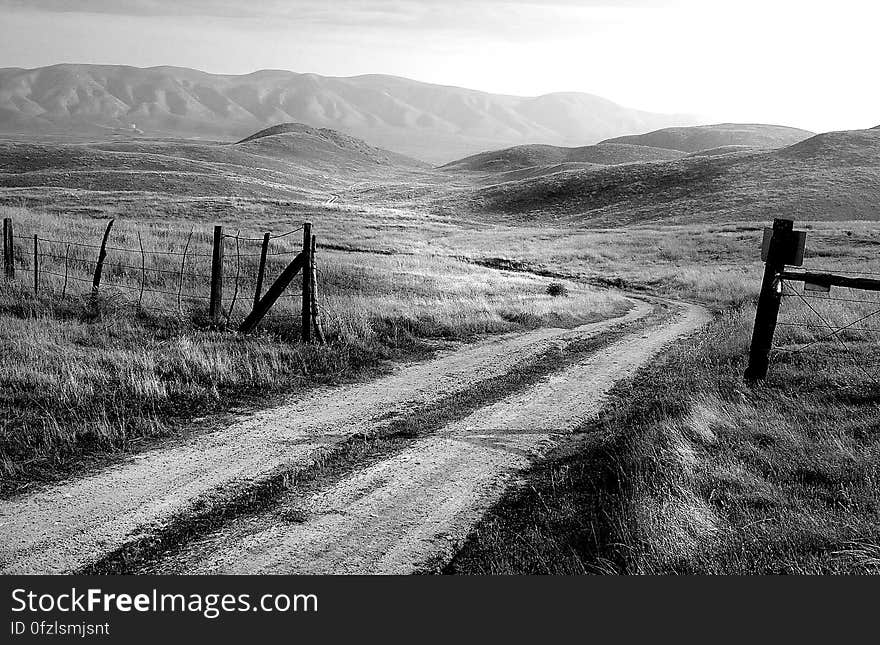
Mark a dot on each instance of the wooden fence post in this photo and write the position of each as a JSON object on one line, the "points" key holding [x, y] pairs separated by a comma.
{"points": [[261, 272], [307, 284], [216, 305], [36, 263], [768, 302], [8, 249], [316, 318], [102, 254]]}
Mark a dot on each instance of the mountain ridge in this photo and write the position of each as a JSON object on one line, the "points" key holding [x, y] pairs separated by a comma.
{"points": [[437, 123]]}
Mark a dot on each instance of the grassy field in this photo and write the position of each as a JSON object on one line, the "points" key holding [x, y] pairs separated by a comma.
{"points": [[82, 380]]}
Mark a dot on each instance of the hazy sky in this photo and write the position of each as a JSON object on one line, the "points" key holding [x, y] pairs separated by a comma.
{"points": [[805, 63]]}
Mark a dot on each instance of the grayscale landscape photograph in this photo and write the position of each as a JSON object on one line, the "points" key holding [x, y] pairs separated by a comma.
{"points": [[453, 287]]}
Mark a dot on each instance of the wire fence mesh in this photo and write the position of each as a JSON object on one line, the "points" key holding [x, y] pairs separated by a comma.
{"points": [[162, 272], [815, 318]]}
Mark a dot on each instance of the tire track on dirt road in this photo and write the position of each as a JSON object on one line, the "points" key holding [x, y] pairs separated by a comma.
{"points": [[411, 511], [139, 503]]}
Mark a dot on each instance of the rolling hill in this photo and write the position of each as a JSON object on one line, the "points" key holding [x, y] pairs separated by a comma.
{"points": [[296, 141], [723, 150], [832, 176], [431, 122], [520, 157], [706, 137], [289, 163]]}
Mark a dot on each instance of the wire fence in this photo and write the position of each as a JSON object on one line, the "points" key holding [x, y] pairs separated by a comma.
{"points": [[168, 273], [814, 318]]}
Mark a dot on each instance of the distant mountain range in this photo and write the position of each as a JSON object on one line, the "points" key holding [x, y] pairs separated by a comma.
{"points": [[431, 122]]}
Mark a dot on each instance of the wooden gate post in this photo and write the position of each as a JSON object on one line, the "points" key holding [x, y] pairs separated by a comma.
{"points": [[215, 309], [307, 283], [8, 249], [768, 302]]}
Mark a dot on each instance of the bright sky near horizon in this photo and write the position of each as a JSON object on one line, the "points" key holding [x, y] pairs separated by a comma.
{"points": [[807, 63]]}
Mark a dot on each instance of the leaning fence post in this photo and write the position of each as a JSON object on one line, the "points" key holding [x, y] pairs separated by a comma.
{"points": [[261, 272], [307, 284], [768, 302], [216, 305], [102, 254], [36, 263], [8, 249], [273, 293]]}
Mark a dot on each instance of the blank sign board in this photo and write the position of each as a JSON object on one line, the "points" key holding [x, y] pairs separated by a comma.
{"points": [[815, 286], [791, 250]]}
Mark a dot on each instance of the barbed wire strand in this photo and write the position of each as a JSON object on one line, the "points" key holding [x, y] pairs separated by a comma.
{"points": [[817, 326], [833, 298]]}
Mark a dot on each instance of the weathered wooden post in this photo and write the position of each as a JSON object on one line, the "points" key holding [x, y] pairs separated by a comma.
{"points": [[261, 271], [307, 283], [36, 264], [216, 307], [102, 255], [316, 317], [8, 249], [782, 245]]}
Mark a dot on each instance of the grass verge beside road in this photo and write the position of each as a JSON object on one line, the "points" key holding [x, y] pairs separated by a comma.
{"points": [[690, 470]]}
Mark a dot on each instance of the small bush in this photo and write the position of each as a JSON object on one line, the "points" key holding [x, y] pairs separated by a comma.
{"points": [[557, 289]]}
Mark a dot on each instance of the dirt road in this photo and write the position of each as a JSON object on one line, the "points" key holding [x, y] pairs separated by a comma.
{"points": [[385, 517], [411, 511]]}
